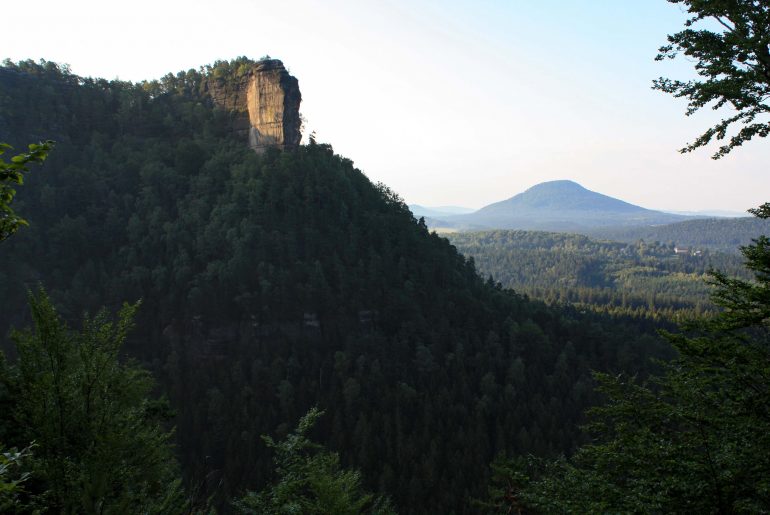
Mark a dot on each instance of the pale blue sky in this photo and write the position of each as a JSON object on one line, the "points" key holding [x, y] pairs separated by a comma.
{"points": [[447, 102]]}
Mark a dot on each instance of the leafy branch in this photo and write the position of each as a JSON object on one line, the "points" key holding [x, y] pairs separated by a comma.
{"points": [[734, 66], [12, 174]]}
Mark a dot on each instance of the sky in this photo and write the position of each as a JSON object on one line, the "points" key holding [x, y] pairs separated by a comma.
{"points": [[450, 102]]}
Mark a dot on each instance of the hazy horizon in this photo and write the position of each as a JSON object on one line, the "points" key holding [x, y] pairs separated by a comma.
{"points": [[726, 212]]}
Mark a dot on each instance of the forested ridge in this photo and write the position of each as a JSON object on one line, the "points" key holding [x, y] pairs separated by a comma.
{"points": [[715, 234], [640, 279], [271, 284]]}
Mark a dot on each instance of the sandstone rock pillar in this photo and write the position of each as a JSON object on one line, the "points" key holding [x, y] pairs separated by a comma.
{"points": [[265, 103]]}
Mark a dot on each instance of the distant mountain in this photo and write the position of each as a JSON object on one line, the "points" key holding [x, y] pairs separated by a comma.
{"points": [[438, 211], [563, 206]]}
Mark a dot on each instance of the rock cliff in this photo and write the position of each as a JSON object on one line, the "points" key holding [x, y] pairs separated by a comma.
{"points": [[264, 101]]}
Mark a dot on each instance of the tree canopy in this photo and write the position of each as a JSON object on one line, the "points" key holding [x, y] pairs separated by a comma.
{"points": [[732, 58], [99, 441], [644, 279], [310, 480]]}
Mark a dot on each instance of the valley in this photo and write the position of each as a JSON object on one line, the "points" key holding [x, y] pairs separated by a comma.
{"points": [[642, 279]]}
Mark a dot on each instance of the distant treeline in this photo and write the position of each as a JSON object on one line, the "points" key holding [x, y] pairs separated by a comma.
{"points": [[722, 234]]}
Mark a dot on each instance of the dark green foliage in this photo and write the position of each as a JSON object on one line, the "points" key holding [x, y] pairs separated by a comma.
{"points": [[725, 235], [694, 440], [278, 282], [98, 443], [640, 279], [13, 474], [11, 173], [310, 480], [747, 303], [733, 63]]}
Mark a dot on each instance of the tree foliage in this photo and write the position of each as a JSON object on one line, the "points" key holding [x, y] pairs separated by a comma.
{"points": [[310, 480], [99, 442], [12, 173], [13, 474], [732, 58]]}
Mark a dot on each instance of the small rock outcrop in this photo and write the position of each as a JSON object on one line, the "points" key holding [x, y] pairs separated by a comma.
{"points": [[264, 101]]}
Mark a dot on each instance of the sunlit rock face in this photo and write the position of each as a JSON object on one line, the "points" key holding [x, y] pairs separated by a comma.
{"points": [[265, 103]]}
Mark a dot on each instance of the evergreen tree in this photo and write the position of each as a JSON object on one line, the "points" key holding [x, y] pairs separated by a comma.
{"points": [[99, 442], [310, 481]]}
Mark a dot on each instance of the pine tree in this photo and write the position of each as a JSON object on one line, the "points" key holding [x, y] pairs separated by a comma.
{"points": [[310, 481]]}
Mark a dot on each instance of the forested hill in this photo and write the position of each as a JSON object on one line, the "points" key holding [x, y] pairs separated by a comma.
{"points": [[722, 234], [643, 279], [274, 283]]}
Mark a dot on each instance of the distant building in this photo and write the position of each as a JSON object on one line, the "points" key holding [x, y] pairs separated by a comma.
{"points": [[687, 250]]}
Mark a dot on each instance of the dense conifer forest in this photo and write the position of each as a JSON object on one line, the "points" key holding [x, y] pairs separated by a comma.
{"points": [[641, 279], [273, 284]]}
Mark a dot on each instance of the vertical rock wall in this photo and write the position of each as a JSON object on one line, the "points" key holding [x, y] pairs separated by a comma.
{"points": [[265, 104]]}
